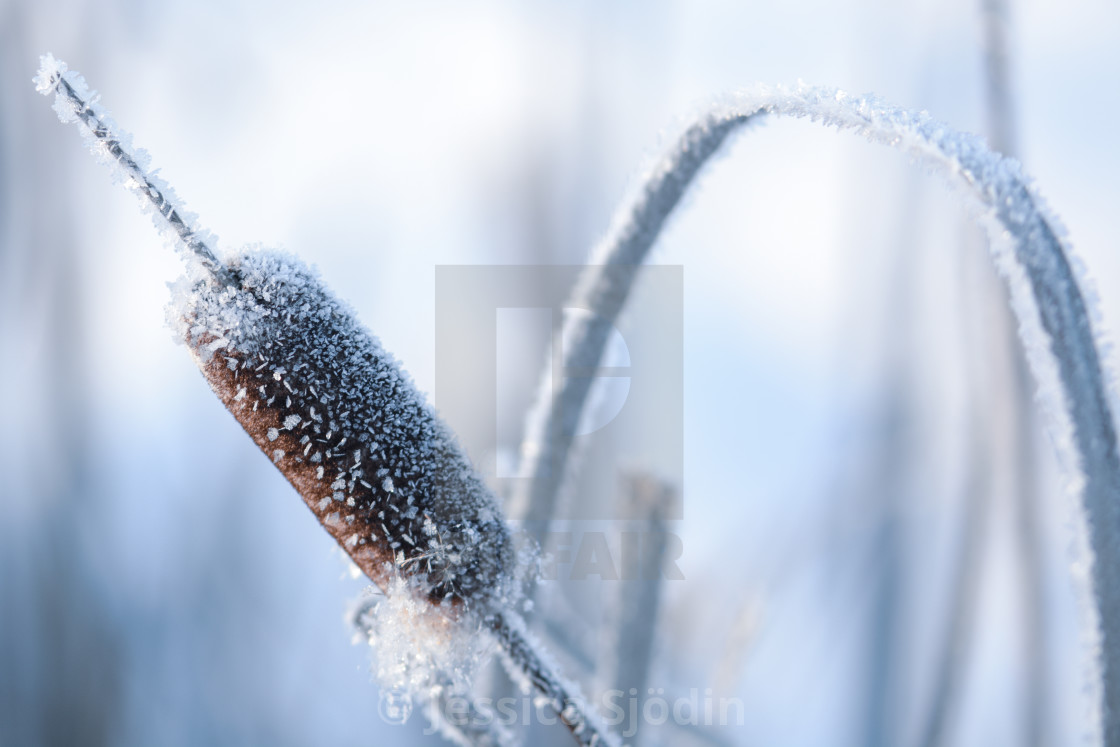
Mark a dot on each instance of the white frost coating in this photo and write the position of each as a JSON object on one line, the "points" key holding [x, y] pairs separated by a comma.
{"points": [[419, 655], [418, 650], [1054, 302], [530, 666], [112, 146]]}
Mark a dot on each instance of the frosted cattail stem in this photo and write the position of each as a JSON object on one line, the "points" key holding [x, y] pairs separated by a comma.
{"points": [[75, 102], [341, 420], [1028, 249], [526, 662]]}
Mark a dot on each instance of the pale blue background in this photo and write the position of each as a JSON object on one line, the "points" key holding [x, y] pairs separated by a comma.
{"points": [[161, 584]]}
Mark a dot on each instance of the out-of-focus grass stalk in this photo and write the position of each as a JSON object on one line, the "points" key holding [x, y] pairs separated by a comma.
{"points": [[1003, 135], [1017, 427], [634, 607], [977, 501]]}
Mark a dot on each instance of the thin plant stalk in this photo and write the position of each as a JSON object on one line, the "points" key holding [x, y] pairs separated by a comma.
{"points": [[115, 148], [634, 606], [1002, 132], [897, 447], [1018, 429], [1028, 248], [997, 74], [975, 514], [552, 424], [1029, 546]]}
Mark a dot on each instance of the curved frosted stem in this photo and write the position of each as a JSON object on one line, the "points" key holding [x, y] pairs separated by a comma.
{"points": [[1027, 246], [604, 289]]}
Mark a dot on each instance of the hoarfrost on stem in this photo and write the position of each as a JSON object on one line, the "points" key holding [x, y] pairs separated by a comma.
{"points": [[112, 146], [1053, 300]]}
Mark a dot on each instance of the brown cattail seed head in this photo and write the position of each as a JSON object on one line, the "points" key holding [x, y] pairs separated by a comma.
{"points": [[340, 419]]}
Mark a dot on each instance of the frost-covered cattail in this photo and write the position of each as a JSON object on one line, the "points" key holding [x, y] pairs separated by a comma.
{"points": [[342, 421]]}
